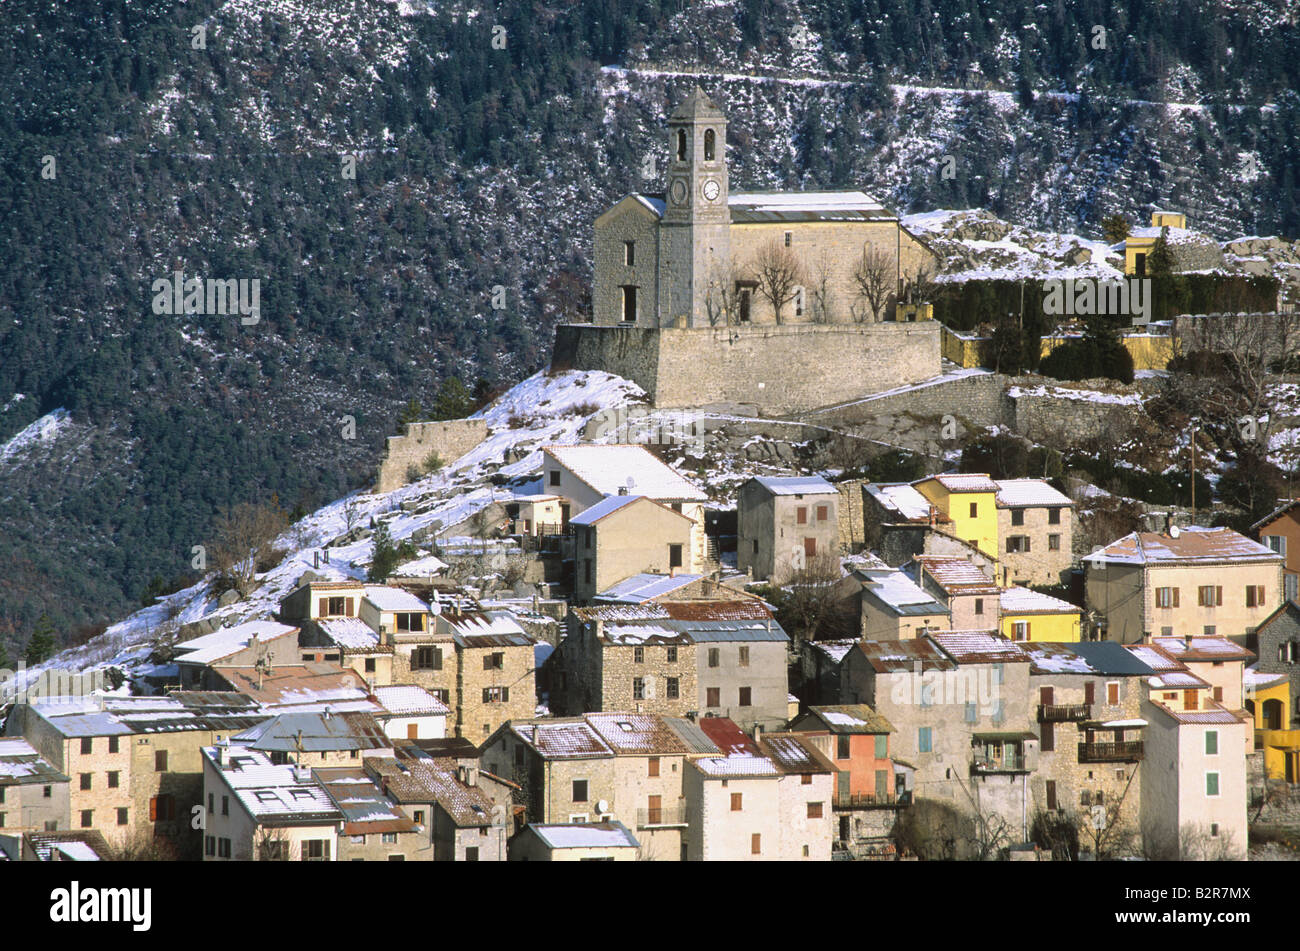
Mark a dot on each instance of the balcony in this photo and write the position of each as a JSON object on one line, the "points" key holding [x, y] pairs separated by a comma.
{"points": [[1064, 713], [869, 801], [1007, 763], [666, 817], [1129, 752]]}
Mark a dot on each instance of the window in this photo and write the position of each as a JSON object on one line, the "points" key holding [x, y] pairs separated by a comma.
{"points": [[209, 845], [810, 547], [85, 780], [789, 236], [48, 792], [629, 253], [112, 744], [370, 665], [223, 848], [744, 656], [969, 715], [160, 761], [979, 605], [756, 844], [225, 805], [672, 655], [805, 779], [579, 790], [638, 688], [494, 661], [1017, 516], [814, 810], [555, 476], [1047, 737], [1211, 784], [409, 621], [1254, 595], [713, 697], [1209, 630], [1018, 543], [1020, 630], [113, 778], [681, 145], [629, 303], [710, 145], [426, 658], [388, 838], [674, 556], [801, 516], [1209, 596], [737, 802], [746, 695], [1112, 693], [842, 746], [316, 850], [974, 510], [1218, 693], [87, 745], [823, 512], [121, 816], [653, 765], [87, 818], [1053, 542], [586, 571], [924, 739], [1053, 516], [1276, 542], [672, 688], [882, 746], [714, 657], [1214, 830], [1166, 597], [496, 694], [638, 655], [1211, 742]]}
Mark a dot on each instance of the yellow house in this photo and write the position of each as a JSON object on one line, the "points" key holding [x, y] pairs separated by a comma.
{"points": [[1138, 245], [1268, 698], [969, 501], [1030, 616]]}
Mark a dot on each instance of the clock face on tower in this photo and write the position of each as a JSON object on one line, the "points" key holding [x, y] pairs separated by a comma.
{"points": [[711, 190], [678, 192]]}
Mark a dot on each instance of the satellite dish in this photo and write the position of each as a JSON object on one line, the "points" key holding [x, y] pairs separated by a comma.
{"points": [[631, 484], [1174, 531], [602, 806]]}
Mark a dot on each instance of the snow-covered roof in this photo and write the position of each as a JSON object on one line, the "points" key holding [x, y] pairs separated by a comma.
{"points": [[899, 593], [1177, 679], [607, 469], [502, 626], [585, 835], [1083, 657], [1154, 657], [740, 765], [1193, 545], [978, 647], [349, 632], [644, 587], [269, 791], [1024, 493], [606, 506], [852, 718], [387, 598], [963, 481], [21, 764], [1199, 648], [75, 851], [835, 650], [1018, 600], [755, 207], [1254, 679], [409, 700], [796, 485], [903, 499], [954, 574], [420, 567], [229, 640]]}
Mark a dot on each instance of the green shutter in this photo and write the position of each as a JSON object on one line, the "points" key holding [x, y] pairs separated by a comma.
{"points": [[882, 746]]}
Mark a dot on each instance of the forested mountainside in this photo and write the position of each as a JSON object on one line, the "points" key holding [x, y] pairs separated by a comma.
{"points": [[127, 154]]}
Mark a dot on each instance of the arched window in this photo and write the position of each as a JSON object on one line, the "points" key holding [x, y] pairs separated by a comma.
{"points": [[708, 145], [681, 145]]}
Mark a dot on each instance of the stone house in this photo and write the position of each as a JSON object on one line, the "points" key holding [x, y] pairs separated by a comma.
{"points": [[584, 475], [495, 670], [1036, 532], [608, 841], [243, 645], [1089, 698], [968, 501], [317, 599], [1221, 663], [410, 713], [352, 643], [1204, 581], [33, 794], [855, 739], [626, 535], [784, 524], [1278, 646], [1280, 531], [624, 766], [968, 595]]}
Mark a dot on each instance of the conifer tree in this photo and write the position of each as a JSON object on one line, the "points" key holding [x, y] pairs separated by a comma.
{"points": [[41, 647]]}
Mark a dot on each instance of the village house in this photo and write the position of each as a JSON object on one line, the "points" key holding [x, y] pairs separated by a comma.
{"points": [[785, 524], [242, 645], [495, 670], [819, 669], [349, 642], [410, 713], [1191, 250], [1278, 647], [33, 794], [649, 586], [296, 688], [1089, 698], [536, 515], [1204, 581], [316, 739], [1268, 698], [450, 798], [889, 605], [856, 740], [969, 597], [374, 829], [1027, 615], [584, 475], [608, 841], [80, 845], [968, 502], [1036, 532], [1221, 663], [1280, 531], [318, 599], [624, 766], [625, 535]]}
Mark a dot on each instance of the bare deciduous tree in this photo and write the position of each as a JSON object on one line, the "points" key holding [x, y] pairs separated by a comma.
{"points": [[244, 537], [820, 302], [920, 284], [778, 273], [720, 295], [876, 276]]}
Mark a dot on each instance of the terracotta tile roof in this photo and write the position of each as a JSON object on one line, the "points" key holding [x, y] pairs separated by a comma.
{"points": [[415, 776], [1193, 545], [851, 718], [1155, 657], [562, 739], [1213, 714], [636, 733], [793, 754], [1203, 648], [748, 609], [727, 736], [956, 575], [893, 656], [979, 647]]}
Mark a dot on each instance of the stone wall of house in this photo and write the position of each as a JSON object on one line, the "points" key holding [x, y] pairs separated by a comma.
{"points": [[781, 369], [619, 668], [852, 518], [449, 438]]}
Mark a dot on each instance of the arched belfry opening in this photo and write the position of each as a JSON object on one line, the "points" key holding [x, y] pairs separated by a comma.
{"points": [[681, 145], [709, 145]]}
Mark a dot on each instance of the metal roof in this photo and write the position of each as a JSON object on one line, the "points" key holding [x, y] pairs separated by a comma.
{"points": [[796, 485], [851, 718], [1083, 657]]}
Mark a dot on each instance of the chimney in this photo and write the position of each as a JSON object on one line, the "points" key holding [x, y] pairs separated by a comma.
{"points": [[1169, 522], [460, 775], [301, 774], [326, 554], [471, 775], [758, 732], [934, 516], [329, 714], [1187, 641], [622, 490]]}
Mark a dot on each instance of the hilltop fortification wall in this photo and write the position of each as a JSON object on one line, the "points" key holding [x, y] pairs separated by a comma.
{"points": [[449, 438]]}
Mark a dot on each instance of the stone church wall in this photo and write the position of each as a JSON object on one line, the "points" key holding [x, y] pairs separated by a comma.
{"points": [[450, 439]]}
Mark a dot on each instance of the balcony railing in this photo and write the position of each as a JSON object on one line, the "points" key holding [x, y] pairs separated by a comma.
{"points": [[868, 801], [1064, 713], [1110, 752], [1009, 763], [667, 817]]}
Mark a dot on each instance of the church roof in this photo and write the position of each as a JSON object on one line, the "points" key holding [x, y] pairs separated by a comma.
{"points": [[697, 106], [757, 207]]}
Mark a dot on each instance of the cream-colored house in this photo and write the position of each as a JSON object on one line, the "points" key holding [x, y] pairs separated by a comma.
{"points": [[1200, 581], [625, 535], [891, 606], [536, 514], [608, 841], [969, 595]]}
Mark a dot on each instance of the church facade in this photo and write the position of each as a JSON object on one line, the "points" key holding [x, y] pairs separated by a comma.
{"points": [[703, 295]]}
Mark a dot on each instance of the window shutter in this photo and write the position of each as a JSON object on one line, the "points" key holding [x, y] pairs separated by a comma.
{"points": [[324, 607], [1089, 692], [350, 603], [1218, 596], [1051, 794], [1175, 597], [153, 809]]}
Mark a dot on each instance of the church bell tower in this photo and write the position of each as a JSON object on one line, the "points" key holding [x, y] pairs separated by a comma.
{"points": [[695, 245]]}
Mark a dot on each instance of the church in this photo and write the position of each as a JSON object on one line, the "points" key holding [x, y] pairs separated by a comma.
{"points": [[784, 300]]}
